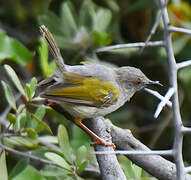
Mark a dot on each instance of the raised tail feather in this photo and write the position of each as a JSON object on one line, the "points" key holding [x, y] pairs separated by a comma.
{"points": [[53, 48]]}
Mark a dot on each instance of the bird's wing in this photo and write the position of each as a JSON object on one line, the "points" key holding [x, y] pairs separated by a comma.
{"points": [[79, 89]]}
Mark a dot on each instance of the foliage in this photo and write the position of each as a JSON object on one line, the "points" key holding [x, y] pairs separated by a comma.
{"points": [[13, 50], [83, 30], [27, 125], [79, 32], [46, 67], [80, 27], [132, 171]]}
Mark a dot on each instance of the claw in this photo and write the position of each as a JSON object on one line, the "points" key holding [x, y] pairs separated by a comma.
{"points": [[104, 142]]}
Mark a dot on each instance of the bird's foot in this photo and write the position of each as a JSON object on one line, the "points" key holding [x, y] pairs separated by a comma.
{"points": [[104, 142]]}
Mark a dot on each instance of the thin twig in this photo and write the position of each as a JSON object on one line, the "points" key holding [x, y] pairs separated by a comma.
{"points": [[180, 30], [6, 148], [160, 106], [183, 64], [3, 120], [137, 152], [153, 30], [186, 130], [130, 45], [159, 96]]}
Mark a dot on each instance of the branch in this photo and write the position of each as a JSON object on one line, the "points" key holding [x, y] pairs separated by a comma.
{"points": [[154, 164], [124, 140], [156, 94], [178, 140], [186, 130], [25, 155], [153, 29], [130, 45], [137, 152], [183, 64], [160, 106], [108, 163], [180, 30]]}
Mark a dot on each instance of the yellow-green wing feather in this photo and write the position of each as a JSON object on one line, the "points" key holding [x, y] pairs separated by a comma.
{"points": [[84, 90]]}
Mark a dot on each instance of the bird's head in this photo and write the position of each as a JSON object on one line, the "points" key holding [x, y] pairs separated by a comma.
{"points": [[133, 79]]}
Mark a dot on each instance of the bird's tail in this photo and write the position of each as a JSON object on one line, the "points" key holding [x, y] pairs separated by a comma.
{"points": [[53, 48]]}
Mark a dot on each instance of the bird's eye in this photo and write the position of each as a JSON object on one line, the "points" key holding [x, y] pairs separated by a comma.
{"points": [[138, 81]]}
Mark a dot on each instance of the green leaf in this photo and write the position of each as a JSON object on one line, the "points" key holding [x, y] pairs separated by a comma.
{"points": [[28, 92], [21, 120], [3, 166], [58, 160], [49, 139], [82, 166], [51, 21], [11, 118], [86, 14], [13, 50], [129, 171], [81, 154], [64, 144], [22, 141], [14, 79], [68, 21], [30, 88], [79, 137], [101, 20], [30, 132], [29, 173], [19, 167], [33, 85], [101, 39], [43, 54], [51, 171], [185, 75], [43, 124], [47, 68], [137, 171], [40, 112], [9, 95], [52, 67], [64, 42], [36, 120], [113, 5]]}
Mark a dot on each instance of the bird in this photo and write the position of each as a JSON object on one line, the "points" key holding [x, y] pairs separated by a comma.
{"points": [[90, 90]]}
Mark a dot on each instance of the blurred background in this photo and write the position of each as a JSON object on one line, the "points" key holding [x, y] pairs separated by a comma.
{"points": [[82, 26]]}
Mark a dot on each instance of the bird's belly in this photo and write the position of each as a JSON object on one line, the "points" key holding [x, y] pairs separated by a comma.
{"points": [[80, 111], [90, 112]]}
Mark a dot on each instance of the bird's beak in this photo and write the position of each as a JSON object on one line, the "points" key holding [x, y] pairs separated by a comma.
{"points": [[155, 83]]}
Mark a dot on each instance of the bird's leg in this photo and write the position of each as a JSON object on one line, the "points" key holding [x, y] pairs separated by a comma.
{"points": [[100, 141]]}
